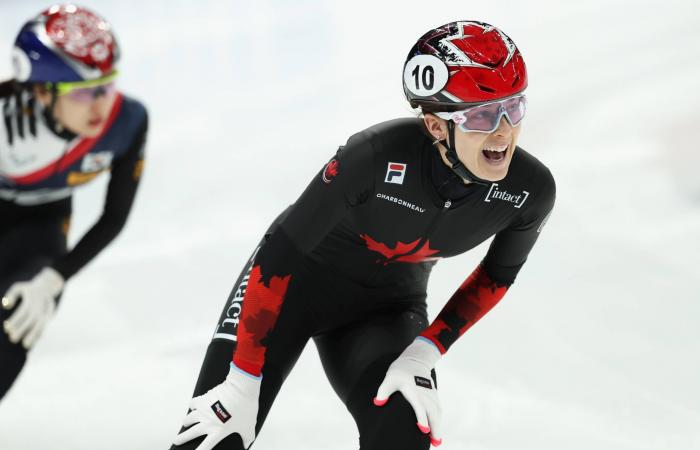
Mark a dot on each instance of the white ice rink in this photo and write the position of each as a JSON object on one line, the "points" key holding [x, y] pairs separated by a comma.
{"points": [[596, 346]]}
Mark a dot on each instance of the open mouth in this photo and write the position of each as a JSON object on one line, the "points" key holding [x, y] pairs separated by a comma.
{"points": [[495, 154]]}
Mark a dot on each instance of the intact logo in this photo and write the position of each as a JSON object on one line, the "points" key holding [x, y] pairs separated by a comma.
{"points": [[220, 412], [497, 194], [227, 328], [330, 171], [395, 173], [423, 382]]}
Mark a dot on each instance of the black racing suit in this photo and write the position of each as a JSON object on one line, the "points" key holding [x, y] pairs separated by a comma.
{"points": [[39, 167], [348, 264]]}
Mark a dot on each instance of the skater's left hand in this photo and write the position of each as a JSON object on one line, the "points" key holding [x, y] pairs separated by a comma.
{"points": [[38, 303], [410, 374]]}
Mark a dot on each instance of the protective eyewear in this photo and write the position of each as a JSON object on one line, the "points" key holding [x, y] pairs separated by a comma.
{"points": [[87, 91], [486, 117]]}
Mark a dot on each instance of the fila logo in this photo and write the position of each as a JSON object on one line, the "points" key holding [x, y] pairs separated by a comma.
{"points": [[496, 194], [395, 173]]}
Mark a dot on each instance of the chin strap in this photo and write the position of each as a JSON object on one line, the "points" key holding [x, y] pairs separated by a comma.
{"points": [[457, 166]]}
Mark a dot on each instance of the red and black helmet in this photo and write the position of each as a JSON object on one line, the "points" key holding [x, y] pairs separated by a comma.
{"points": [[462, 63]]}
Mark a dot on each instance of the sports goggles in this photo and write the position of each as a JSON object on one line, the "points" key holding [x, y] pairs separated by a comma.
{"points": [[87, 91], [484, 118]]}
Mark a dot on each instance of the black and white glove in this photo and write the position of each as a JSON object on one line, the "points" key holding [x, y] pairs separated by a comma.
{"points": [[410, 375], [37, 306], [231, 407]]}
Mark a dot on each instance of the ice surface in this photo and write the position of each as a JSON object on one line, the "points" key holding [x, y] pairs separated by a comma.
{"points": [[596, 345]]}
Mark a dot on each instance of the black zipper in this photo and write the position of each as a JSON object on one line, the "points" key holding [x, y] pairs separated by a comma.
{"points": [[427, 233]]}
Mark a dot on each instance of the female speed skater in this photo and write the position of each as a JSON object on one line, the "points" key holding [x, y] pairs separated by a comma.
{"points": [[347, 264], [64, 123]]}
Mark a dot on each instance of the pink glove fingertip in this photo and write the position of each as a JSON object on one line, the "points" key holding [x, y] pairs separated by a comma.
{"points": [[378, 402], [423, 428], [435, 442]]}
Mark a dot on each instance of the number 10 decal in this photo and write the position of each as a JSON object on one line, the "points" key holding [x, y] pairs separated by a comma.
{"points": [[425, 75], [428, 77]]}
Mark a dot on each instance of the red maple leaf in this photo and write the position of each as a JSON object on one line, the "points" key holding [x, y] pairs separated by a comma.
{"points": [[423, 254], [261, 306], [491, 51], [332, 168], [330, 171]]}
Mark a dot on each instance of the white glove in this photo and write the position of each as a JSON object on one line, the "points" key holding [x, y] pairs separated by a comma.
{"points": [[231, 407], [410, 375], [36, 308]]}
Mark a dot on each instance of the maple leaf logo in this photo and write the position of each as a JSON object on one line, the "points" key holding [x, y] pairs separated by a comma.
{"points": [[400, 252], [330, 171], [262, 304], [461, 52]]}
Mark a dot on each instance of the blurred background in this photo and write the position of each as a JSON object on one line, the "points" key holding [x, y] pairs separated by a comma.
{"points": [[596, 346]]}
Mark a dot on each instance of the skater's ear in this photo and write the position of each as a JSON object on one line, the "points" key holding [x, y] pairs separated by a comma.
{"points": [[435, 126], [42, 94]]}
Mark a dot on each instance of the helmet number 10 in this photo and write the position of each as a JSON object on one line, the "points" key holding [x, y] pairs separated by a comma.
{"points": [[425, 75], [428, 77]]}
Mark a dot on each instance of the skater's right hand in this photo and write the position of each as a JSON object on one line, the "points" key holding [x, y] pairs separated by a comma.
{"points": [[37, 306], [231, 407]]}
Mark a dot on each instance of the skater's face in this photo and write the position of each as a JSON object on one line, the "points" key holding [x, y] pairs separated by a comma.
{"points": [[486, 155], [84, 115]]}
